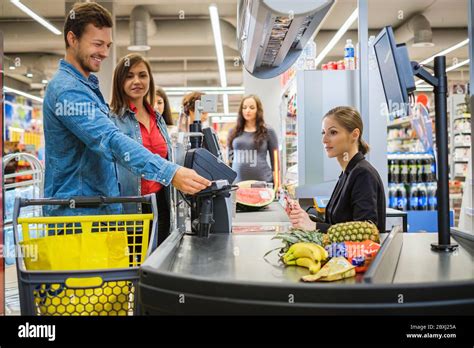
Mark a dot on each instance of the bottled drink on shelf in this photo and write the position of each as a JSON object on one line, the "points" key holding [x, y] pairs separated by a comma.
{"points": [[413, 197], [394, 169], [412, 176], [349, 57], [401, 198], [403, 170], [419, 169], [426, 163], [422, 197], [392, 196], [432, 198]]}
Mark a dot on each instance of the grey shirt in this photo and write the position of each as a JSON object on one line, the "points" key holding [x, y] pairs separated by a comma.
{"points": [[249, 162]]}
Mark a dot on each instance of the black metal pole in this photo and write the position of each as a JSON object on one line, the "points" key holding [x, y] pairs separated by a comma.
{"points": [[441, 122]]}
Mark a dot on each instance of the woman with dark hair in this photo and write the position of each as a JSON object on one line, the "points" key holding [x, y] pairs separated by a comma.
{"points": [[162, 105], [131, 106], [359, 194], [250, 142]]}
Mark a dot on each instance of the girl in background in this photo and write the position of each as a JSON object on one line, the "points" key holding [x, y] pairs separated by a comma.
{"points": [[187, 116], [162, 105], [251, 141]]}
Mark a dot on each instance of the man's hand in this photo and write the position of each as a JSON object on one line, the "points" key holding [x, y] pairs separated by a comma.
{"points": [[299, 218], [188, 181]]}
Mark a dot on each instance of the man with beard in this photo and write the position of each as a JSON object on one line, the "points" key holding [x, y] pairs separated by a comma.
{"points": [[82, 144]]}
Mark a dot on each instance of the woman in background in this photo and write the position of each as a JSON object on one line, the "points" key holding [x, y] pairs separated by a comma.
{"points": [[251, 141], [187, 116], [162, 105]]}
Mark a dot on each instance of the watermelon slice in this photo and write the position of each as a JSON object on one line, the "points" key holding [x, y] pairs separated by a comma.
{"points": [[253, 195]]}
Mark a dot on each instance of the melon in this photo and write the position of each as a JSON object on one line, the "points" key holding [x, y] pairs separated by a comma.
{"points": [[253, 195]]}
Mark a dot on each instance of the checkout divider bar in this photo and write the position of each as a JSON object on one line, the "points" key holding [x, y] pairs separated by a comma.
{"points": [[383, 267]]}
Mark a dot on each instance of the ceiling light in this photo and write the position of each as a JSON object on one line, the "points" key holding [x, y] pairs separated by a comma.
{"points": [[12, 67], [216, 30], [349, 21], [44, 81], [445, 52], [419, 83], [455, 66], [23, 94], [207, 90], [36, 17], [225, 101]]}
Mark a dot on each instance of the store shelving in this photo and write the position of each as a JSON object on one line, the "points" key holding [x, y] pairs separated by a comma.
{"points": [[401, 122], [460, 144], [289, 116]]}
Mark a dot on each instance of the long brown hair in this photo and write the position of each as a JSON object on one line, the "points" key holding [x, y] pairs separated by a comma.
{"points": [[167, 110], [189, 101], [119, 101], [349, 118], [261, 132]]}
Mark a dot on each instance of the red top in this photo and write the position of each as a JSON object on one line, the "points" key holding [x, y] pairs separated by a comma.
{"points": [[155, 143]]}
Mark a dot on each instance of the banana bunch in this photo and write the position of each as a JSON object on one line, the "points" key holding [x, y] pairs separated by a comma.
{"points": [[309, 255]]}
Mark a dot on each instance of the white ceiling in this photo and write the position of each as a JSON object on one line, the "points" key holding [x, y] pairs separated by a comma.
{"points": [[191, 58]]}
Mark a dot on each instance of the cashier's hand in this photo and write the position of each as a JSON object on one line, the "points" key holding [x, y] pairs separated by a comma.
{"points": [[299, 218], [188, 181]]}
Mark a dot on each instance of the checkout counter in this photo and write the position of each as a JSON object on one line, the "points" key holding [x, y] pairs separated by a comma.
{"points": [[226, 273]]}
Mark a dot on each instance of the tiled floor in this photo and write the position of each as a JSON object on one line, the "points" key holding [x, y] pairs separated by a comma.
{"points": [[12, 300]]}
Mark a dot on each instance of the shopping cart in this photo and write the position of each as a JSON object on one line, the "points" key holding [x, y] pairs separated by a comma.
{"points": [[84, 292]]}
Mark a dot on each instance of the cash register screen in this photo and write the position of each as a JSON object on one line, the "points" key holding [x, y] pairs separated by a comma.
{"points": [[211, 142], [391, 73]]}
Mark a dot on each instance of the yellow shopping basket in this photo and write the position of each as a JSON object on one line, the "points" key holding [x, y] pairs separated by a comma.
{"points": [[82, 265]]}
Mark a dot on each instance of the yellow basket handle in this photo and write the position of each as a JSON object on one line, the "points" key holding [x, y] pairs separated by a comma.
{"points": [[84, 283]]}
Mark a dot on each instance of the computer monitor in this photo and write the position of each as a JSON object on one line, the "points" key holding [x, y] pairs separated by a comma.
{"points": [[211, 142], [395, 71]]}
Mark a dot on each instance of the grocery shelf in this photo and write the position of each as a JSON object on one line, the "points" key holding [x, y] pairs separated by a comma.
{"points": [[405, 121], [460, 177], [462, 118], [402, 139]]}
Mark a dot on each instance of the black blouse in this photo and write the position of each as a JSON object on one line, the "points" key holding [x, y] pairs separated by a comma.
{"points": [[358, 196]]}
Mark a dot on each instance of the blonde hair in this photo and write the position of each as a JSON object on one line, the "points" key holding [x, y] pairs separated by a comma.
{"points": [[349, 118]]}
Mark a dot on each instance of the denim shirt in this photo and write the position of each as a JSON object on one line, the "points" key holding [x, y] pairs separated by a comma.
{"points": [[130, 184], [82, 145]]}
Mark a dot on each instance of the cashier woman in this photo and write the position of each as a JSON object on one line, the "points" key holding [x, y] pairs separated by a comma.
{"points": [[359, 193]]}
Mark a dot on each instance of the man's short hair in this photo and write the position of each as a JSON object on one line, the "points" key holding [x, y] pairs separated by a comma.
{"points": [[84, 13]]}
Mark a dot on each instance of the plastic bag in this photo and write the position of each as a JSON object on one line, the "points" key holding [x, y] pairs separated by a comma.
{"points": [[359, 254], [82, 251]]}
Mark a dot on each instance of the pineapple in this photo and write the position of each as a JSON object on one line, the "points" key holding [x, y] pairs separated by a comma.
{"points": [[354, 231]]}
